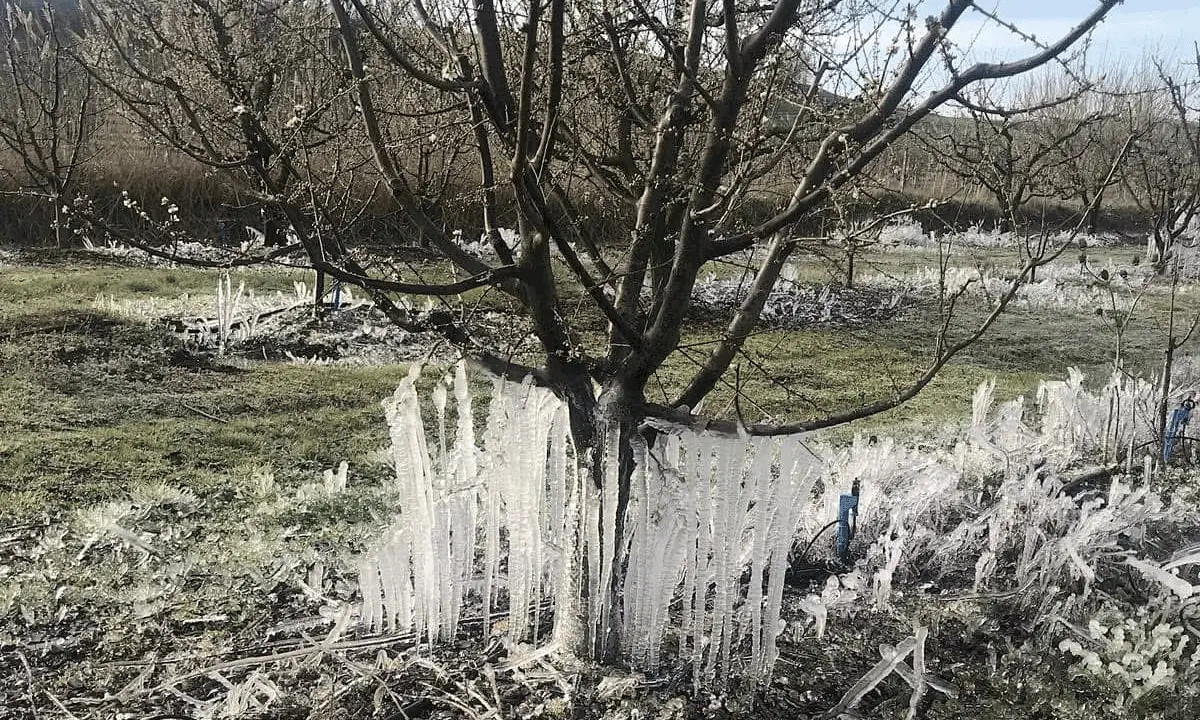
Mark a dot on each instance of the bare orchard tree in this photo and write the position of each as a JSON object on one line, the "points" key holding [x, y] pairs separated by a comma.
{"points": [[705, 150], [1012, 145], [50, 111], [262, 92], [682, 118], [1081, 172], [1162, 172]]}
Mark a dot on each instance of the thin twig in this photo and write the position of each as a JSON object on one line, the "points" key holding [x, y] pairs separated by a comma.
{"points": [[198, 411], [31, 693], [277, 657]]}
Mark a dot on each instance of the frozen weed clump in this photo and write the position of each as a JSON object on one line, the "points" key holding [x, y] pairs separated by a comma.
{"points": [[228, 305], [1056, 287], [1006, 509], [793, 305], [903, 234], [992, 502], [1134, 654]]}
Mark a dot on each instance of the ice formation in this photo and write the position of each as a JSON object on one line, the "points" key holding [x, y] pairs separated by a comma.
{"points": [[507, 523], [710, 524], [513, 525]]}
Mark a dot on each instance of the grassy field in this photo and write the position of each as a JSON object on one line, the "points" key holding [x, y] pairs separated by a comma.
{"points": [[216, 467], [93, 403]]}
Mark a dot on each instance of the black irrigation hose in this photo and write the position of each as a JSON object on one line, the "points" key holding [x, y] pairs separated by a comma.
{"points": [[804, 554]]}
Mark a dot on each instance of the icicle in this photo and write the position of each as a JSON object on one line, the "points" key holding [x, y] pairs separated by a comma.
{"points": [[705, 516], [568, 630], [466, 467], [700, 599], [763, 494], [609, 541]]}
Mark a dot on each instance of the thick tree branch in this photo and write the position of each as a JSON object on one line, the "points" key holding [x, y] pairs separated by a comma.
{"points": [[401, 58]]}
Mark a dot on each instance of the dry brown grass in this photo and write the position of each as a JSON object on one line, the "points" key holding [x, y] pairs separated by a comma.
{"points": [[126, 159]]}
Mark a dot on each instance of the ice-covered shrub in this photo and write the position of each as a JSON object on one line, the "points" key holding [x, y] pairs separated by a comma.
{"points": [[978, 236], [1056, 287], [1000, 506], [481, 246], [1079, 423], [902, 234], [792, 304], [1012, 511], [416, 578]]}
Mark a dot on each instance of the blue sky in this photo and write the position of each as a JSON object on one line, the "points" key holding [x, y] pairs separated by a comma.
{"points": [[1166, 27]]}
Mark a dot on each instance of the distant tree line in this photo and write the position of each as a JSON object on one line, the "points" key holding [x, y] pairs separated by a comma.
{"points": [[1017, 155]]}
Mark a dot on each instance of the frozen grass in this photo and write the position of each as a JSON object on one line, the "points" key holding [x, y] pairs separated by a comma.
{"points": [[89, 408], [30, 290], [786, 374]]}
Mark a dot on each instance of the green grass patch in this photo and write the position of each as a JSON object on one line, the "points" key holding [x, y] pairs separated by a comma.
{"points": [[27, 291], [87, 415], [91, 405]]}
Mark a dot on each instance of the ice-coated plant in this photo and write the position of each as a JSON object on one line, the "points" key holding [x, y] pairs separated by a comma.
{"points": [[1105, 425], [795, 305], [417, 576], [1134, 653], [903, 234], [508, 524], [1058, 287], [714, 512], [1002, 503], [228, 306], [482, 246]]}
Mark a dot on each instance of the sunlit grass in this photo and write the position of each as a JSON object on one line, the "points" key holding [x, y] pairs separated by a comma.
{"points": [[90, 405]]}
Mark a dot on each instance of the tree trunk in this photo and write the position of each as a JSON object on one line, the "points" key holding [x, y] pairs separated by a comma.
{"points": [[1092, 220], [616, 425], [1164, 394], [602, 429], [319, 295]]}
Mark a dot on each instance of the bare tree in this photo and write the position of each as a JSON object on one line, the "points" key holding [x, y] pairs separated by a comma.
{"points": [[1080, 173], [1011, 146], [1162, 172], [683, 116], [50, 112]]}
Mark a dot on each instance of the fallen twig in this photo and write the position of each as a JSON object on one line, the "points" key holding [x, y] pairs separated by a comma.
{"points": [[73, 324], [198, 411], [406, 638], [998, 595], [61, 327], [874, 676], [1088, 476]]}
